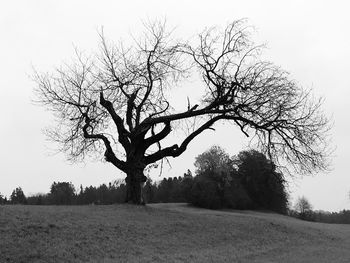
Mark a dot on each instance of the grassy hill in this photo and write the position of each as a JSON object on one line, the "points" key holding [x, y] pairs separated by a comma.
{"points": [[164, 233]]}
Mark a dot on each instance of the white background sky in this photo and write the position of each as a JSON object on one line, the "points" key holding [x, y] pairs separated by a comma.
{"points": [[310, 39]]}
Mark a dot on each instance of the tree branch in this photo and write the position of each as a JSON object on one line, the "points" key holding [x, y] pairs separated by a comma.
{"points": [[175, 150], [159, 136], [130, 107], [109, 153], [123, 134]]}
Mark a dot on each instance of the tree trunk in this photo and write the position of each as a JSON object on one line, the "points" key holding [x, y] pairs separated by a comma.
{"points": [[134, 184]]}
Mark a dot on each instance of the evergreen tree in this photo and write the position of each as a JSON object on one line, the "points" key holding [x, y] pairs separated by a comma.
{"points": [[18, 197]]}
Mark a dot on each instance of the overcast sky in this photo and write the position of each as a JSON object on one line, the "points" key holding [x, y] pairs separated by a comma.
{"points": [[310, 39]]}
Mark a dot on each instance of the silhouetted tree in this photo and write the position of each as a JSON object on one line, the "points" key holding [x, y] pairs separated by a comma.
{"points": [[186, 186], [120, 100], [62, 193], [303, 207], [90, 195], [2, 199], [205, 193], [149, 191], [217, 183], [18, 197], [263, 183], [39, 199], [102, 194], [214, 159], [163, 190]]}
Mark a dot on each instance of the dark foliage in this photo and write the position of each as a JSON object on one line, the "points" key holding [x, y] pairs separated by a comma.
{"points": [[18, 197], [341, 217], [214, 171], [113, 193], [303, 210], [214, 190], [39, 199], [3, 199], [205, 193], [248, 181], [264, 185], [62, 193], [169, 190]]}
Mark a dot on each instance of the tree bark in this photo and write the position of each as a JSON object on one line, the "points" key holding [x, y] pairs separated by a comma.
{"points": [[134, 184]]}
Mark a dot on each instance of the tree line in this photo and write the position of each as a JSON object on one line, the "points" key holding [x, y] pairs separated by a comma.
{"points": [[303, 210], [246, 181]]}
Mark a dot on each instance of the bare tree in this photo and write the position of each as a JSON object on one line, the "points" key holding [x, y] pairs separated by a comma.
{"points": [[120, 100], [303, 207]]}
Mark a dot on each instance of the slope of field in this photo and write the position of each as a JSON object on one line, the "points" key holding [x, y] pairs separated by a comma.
{"points": [[164, 233]]}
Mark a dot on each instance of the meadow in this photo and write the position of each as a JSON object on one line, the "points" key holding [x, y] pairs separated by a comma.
{"points": [[164, 233]]}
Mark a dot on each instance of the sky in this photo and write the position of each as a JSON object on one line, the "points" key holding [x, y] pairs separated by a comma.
{"points": [[310, 39]]}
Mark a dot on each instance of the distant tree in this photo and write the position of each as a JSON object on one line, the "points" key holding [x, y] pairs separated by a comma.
{"points": [[149, 191], [62, 193], [102, 194], [18, 197], [2, 199], [205, 192], [39, 199], [263, 183], [303, 207], [117, 190], [163, 190], [176, 194], [186, 185], [215, 159], [121, 100], [90, 195], [217, 183]]}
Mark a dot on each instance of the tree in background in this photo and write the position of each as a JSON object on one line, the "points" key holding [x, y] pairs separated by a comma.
{"points": [[303, 207], [263, 183], [18, 197], [217, 183], [149, 191], [186, 185], [215, 159], [246, 181], [2, 199], [164, 190], [120, 100], [39, 199], [62, 193]]}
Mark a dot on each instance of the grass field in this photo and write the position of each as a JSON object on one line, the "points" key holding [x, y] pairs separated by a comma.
{"points": [[164, 233]]}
